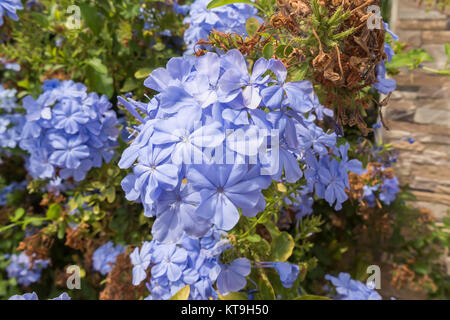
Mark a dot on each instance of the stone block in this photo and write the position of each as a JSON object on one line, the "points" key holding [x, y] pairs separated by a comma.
{"points": [[432, 116], [440, 37], [408, 11], [422, 24]]}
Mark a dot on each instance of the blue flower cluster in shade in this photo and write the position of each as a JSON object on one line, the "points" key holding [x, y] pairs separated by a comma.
{"points": [[9, 8], [199, 101], [67, 131], [11, 123], [387, 191], [349, 289], [230, 19], [384, 85], [105, 256], [24, 270], [33, 296], [9, 189]]}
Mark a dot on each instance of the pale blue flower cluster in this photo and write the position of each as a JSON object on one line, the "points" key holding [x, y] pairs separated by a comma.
{"points": [[11, 123], [9, 8], [8, 101], [229, 19], [349, 289], [24, 270], [10, 65], [191, 261], [67, 131], [246, 129], [105, 256], [33, 296]]}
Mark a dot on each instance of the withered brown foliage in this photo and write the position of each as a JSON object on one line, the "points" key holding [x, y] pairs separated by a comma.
{"points": [[404, 277], [79, 239], [119, 281], [36, 246], [341, 70], [375, 175], [345, 69]]}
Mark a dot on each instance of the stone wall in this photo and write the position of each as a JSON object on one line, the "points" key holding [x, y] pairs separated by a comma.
{"points": [[420, 109]]}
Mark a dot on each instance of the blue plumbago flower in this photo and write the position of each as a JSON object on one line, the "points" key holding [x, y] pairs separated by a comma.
{"points": [[33, 296], [191, 261], [386, 190], [24, 270], [141, 258], [10, 130], [10, 65], [334, 175], [223, 189], [302, 204], [389, 190], [369, 195], [9, 189], [169, 260], [11, 123], [62, 296], [105, 256], [349, 289], [180, 9], [7, 99], [288, 272], [232, 276], [9, 7], [67, 131], [384, 85], [26, 296], [214, 136], [229, 18]]}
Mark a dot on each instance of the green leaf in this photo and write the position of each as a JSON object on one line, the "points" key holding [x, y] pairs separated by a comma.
{"points": [[98, 66], [159, 46], [143, 73], [40, 19], [18, 214], [219, 3], [251, 26], [265, 289], [91, 17], [129, 85], [283, 51], [110, 194], [268, 51], [99, 82], [54, 211], [410, 59], [234, 296], [253, 238], [447, 50], [183, 294], [282, 247], [311, 297]]}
